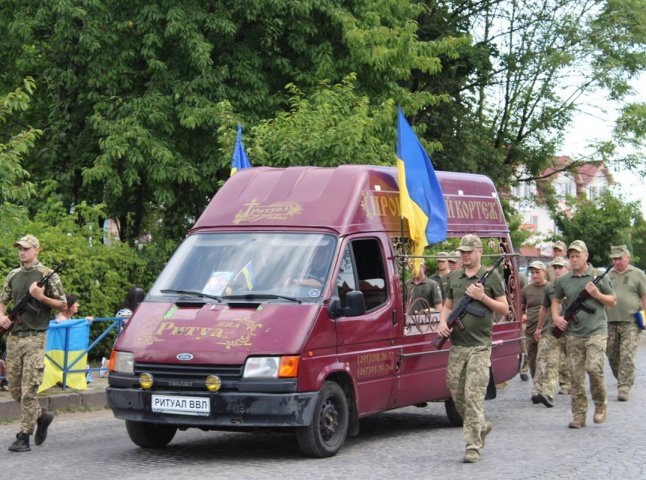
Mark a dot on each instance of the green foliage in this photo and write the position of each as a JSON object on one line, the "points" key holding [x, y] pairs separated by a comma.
{"points": [[606, 221]]}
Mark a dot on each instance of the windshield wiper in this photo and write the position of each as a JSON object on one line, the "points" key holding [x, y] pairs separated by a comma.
{"points": [[194, 293], [259, 296]]}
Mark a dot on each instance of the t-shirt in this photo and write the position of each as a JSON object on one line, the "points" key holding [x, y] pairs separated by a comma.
{"points": [[428, 289], [477, 330], [532, 297], [629, 286], [569, 286]]}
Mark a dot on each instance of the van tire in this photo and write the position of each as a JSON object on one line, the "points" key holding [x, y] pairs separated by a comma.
{"points": [[329, 429], [150, 435], [455, 419]]}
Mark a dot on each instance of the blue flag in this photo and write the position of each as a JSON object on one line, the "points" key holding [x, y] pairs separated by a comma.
{"points": [[66, 341], [240, 158], [420, 195]]}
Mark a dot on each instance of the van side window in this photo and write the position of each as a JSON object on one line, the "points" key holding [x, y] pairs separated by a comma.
{"points": [[363, 262]]}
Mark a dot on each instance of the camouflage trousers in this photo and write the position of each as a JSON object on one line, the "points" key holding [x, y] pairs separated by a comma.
{"points": [[25, 366], [587, 355], [531, 352], [623, 340], [467, 378], [564, 367], [547, 365]]}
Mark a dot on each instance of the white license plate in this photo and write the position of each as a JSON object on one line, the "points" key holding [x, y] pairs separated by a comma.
{"points": [[181, 405]]}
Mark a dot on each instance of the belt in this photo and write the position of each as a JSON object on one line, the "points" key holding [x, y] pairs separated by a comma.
{"points": [[27, 333]]}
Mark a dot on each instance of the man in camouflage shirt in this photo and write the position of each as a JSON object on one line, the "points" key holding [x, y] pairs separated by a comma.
{"points": [[532, 296], [470, 357], [623, 332], [27, 339]]}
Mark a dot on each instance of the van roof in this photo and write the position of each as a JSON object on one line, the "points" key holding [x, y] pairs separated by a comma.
{"points": [[344, 199]]}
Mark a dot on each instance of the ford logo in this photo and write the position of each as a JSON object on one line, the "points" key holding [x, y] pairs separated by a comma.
{"points": [[184, 356]]}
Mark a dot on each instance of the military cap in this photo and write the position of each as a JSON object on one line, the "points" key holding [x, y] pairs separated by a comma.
{"points": [[578, 245], [455, 257], [617, 251], [469, 242], [443, 256], [28, 241], [560, 245], [560, 261], [537, 264]]}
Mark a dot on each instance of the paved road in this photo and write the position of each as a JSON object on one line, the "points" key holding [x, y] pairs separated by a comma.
{"points": [[528, 441]]}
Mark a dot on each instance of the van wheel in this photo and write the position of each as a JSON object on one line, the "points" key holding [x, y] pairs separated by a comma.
{"points": [[454, 417], [329, 428], [150, 435]]}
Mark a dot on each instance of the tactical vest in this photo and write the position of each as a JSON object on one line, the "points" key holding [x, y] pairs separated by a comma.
{"points": [[29, 320]]}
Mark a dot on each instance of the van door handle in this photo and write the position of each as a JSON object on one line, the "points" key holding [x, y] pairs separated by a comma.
{"points": [[394, 317]]}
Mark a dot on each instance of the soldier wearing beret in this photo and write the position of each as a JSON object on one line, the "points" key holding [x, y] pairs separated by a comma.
{"points": [[623, 333], [27, 339]]}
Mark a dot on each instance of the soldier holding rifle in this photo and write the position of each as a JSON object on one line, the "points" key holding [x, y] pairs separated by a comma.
{"points": [[27, 338], [470, 357], [586, 337]]}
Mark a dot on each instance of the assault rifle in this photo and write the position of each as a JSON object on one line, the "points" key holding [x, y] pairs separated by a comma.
{"points": [[25, 303], [578, 305], [458, 313]]}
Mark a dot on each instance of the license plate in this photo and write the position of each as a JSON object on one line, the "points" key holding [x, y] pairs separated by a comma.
{"points": [[181, 405]]}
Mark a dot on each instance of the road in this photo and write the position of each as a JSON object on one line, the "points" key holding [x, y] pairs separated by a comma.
{"points": [[528, 441]]}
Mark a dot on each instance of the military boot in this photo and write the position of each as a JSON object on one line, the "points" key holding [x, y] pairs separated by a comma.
{"points": [[577, 422], [623, 395], [471, 456], [600, 413], [42, 425], [21, 444]]}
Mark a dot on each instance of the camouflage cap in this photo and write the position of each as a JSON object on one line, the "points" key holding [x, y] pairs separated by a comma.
{"points": [[618, 251], [455, 257], [28, 241], [560, 245], [578, 245], [560, 261], [469, 242], [537, 264], [443, 256]]}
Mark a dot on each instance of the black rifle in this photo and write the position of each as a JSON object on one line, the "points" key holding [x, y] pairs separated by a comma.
{"points": [[577, 305], [25, 303], [458, 313]]}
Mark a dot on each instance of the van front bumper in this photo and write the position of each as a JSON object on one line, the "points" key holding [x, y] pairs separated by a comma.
{"points": [[228, 410]]}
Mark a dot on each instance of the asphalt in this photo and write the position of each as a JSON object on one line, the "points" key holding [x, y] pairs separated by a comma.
{"points": [[56, 399]]}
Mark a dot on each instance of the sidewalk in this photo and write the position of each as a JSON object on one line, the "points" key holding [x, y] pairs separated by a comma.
{"points": [[56, 399]]}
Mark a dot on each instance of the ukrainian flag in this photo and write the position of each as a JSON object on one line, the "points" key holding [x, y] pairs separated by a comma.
{"points": [[420, 195], [247, 273], [240, 159], [72, 336]]}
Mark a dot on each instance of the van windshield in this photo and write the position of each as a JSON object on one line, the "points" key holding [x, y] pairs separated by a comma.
{"points": [[249, 265]]}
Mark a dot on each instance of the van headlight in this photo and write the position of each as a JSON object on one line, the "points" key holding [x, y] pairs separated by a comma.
{"points": [[271, 367], [124, 362]]}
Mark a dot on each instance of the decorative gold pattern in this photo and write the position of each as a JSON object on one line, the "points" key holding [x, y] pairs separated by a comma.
{"points": [[255, 211]]}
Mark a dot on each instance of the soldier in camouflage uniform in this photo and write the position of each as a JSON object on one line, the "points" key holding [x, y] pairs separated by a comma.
{"points": [[549, 350], [442, 274], [423, 287], [586, 339], [623, 332], [27, 339], [470, 356], [532, 296]]}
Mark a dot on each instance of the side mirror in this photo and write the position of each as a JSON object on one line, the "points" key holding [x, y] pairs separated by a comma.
{"points": [[355, 305]]}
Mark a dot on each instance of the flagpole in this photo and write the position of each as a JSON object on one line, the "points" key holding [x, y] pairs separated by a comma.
{"points": [[402, 263]]}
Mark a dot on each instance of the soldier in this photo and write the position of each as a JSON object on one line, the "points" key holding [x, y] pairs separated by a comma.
{"points": [[454, 261], [442, 274], [531, 300], [558, 250], [27, 339], [548, 356], [623, 332], [470, 356], [423, 287], [586, 339]]}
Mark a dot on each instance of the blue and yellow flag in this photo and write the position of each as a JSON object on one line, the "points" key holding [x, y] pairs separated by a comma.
{"points": [[247, 273], [420, 195], [73, 336], [240, 158]]}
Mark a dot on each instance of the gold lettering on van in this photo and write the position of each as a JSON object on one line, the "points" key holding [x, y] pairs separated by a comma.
{"points": [[231, 333], [375, 364], [254, 211]]}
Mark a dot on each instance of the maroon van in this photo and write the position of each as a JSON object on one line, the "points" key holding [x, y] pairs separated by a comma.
{"points": [[283, 309]]}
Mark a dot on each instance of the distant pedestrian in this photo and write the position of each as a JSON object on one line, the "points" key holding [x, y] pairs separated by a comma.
{"points": [[26, 341], [586, 339], [623, 332], [470, 357]]}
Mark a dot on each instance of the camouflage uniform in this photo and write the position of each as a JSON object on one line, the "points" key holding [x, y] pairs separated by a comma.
{"points": [[470, 357], [532, 299], [26, 341], [623, 333], [586, 342], [547, 359]]}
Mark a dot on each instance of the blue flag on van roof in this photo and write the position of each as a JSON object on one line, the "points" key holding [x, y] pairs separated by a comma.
{"points": [[420, 194], [240, 159]]}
